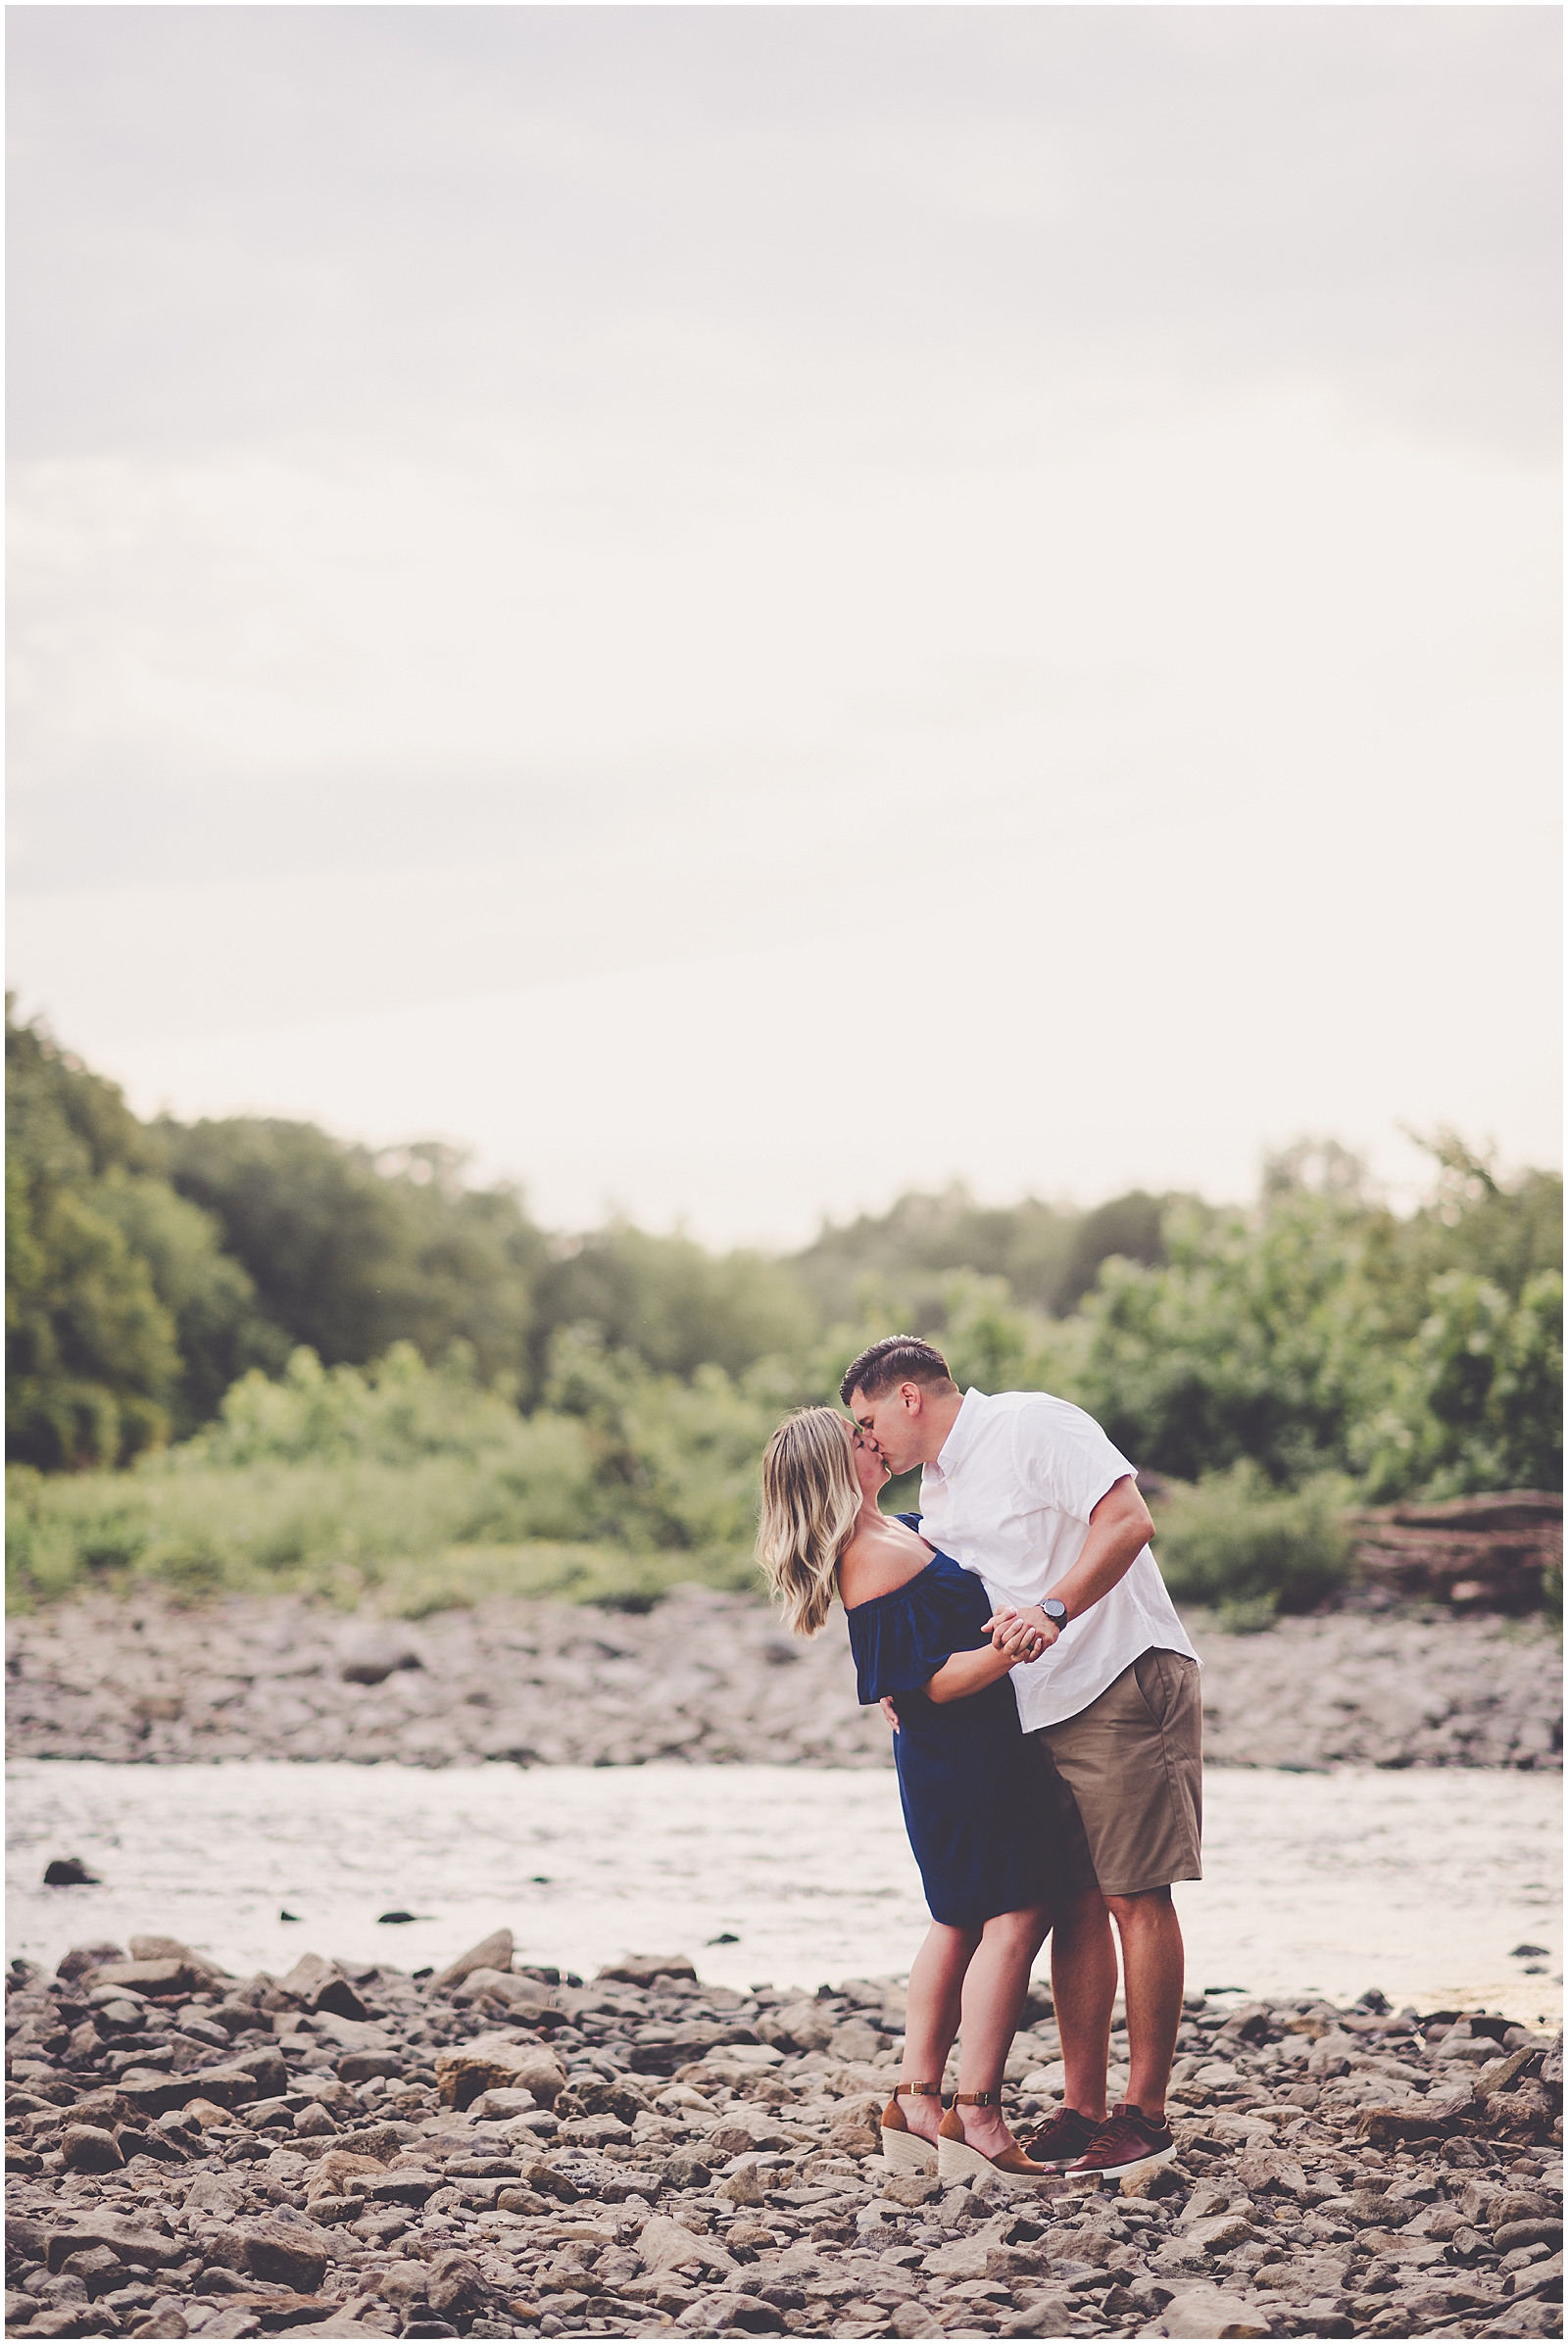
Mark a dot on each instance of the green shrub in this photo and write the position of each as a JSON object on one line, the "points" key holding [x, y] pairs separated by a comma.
{"points": [[1234, 1541]]}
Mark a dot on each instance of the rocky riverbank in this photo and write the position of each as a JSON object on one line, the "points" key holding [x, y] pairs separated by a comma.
{"points": [[494, 2152], [708, 1678]]}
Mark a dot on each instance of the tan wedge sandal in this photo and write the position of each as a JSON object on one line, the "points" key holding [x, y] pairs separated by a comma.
{"points": [[958, 2161], [905, 2152]]}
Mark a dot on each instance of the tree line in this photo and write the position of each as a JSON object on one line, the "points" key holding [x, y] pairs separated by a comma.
{"points": [[156, 1269]]}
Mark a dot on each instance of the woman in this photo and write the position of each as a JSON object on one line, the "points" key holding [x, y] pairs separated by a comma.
{"points": [[973, 1788]]}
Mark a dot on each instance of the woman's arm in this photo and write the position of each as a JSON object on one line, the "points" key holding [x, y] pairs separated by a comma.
{"points": [[968, 1673]]}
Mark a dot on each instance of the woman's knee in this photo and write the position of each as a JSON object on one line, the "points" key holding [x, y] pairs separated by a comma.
{"points": [[1030, 1924]]}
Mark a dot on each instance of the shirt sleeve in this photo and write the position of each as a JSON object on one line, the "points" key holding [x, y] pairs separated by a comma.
{"points": [[899, 1645], [1063, 1460]]}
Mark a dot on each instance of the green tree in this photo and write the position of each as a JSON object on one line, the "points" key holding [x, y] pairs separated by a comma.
{"points": [[1257, 1339], [92, 1362], [1476, 1398], [1048, 1255], [676, 1305], [351, 1252], [218, 1332]]}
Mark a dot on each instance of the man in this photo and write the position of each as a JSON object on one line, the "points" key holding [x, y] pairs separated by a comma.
{"points": [[1026, 1492]]}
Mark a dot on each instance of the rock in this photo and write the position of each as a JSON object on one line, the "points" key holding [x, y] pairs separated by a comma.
{"points": [[1045, 2314], [100, 2270], [126, 2244], [171, 1949], [357, 2066], [965, 2258], [339, 2171], [87, 2149], [265, 2065], [1259, 2169], [68, 1871], [525, 2000], [1385, 2128], [641, 1968], [82, 1958], [1216, 2235], [372, 1650], [666, 2245], [454, 2283], [1526, 2234], [154, 2093], [1013, 2265], [405, 2186], [1206, 2311], [798, 2026], [149, 2141], [855, 2039], [494, 2063], [914, 2319], [288, 2254], [911, 2189], [206, 2113], [497, 2106], [379, 2141], [150, 1977], [743, 2188], [491, 1953], [320, 1985]]}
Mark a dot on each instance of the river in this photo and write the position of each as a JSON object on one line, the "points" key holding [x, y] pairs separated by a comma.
{"points": [[1421, 1884]]}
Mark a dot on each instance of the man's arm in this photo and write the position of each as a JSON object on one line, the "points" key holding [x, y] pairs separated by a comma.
{"points": [[1119, 1529]]}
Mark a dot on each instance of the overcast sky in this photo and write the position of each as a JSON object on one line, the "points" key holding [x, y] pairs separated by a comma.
{"points": [[741, 608]]}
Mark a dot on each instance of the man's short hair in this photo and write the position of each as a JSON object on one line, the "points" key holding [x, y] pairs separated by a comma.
{"points": [[896, 1359]]}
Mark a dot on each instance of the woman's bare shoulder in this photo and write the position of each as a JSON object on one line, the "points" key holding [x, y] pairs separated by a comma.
{"points": [[880, 1558]]}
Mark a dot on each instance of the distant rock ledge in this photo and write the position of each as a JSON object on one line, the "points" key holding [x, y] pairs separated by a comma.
{"points": [[706, 1678]]}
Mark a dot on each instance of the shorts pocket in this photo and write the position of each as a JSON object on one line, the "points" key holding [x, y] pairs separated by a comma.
{"points": [[1153, 1681]]}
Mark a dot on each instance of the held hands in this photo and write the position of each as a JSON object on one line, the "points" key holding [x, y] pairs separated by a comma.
{"points": [[1025, 1635]]}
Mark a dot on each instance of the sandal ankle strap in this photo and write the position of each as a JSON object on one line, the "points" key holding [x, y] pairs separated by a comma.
{"points": [[978, 2099], [922, 2091]]}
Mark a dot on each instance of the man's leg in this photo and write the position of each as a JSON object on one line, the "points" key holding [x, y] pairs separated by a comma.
{"points": [[1083, 1984], [1152, 1963]]}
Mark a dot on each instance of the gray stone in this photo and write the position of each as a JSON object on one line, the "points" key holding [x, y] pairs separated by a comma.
{"points": [[491, 1953], [372, 1650], [1207, 2312]]}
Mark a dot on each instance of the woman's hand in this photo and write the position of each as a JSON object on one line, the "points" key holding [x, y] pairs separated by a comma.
{"points": [[889, 1712], [1024, 1635]]}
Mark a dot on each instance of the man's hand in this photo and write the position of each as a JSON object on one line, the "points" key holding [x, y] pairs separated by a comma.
{"points": [[889, 1712], [1025, 1635]]}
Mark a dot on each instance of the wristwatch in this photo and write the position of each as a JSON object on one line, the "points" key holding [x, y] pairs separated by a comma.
{"points": [[1054, 1609]]}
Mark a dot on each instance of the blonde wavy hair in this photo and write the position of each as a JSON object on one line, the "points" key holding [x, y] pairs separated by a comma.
{"points": [[810, 1498]]}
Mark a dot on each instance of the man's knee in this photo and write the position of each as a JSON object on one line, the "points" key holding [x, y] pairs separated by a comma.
{"points": [[1145, 1906], [1085, 1908]]}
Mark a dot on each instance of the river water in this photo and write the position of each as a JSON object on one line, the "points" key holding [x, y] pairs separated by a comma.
{"points": [[1420, 1884]]}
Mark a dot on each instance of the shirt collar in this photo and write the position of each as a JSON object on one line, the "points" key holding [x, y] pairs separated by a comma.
{"points": [[965, 1427]]}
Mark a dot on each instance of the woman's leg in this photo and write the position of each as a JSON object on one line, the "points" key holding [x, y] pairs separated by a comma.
{"points": [[994, 1989], [931, 2020]]}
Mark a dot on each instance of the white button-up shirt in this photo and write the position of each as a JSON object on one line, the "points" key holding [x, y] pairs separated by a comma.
{"points": [[1009, 1498]]}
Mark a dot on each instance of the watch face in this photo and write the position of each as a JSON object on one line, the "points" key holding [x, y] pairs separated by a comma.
{"points": [[1053, 1608]]}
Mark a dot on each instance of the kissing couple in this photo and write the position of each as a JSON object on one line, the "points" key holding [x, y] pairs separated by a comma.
{"points": [[1048, 1727]]}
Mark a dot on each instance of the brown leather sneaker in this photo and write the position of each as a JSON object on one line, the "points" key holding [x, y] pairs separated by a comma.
{"points": [[1126, 2138], [1059, 2139]]}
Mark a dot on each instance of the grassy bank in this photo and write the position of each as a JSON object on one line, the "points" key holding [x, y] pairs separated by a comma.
{"points": [[415, 1488]]}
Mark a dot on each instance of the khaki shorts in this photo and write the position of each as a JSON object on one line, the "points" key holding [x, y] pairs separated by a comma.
{"points": [[1134, 1762]]}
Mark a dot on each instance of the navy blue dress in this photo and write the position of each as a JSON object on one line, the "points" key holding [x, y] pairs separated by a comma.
{"points": [[992, 1826]]}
